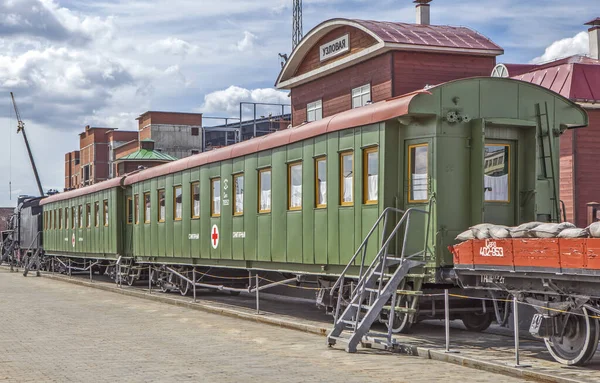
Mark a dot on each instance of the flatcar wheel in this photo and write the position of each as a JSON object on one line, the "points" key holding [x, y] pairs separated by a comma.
{"points": [[579, 341], [477, 322]]}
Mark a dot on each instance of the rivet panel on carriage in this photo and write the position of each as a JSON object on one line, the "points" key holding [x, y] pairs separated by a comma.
{"points": [[364, 203]]}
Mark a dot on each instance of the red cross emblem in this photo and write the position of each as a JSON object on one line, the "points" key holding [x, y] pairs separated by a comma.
{"points": [[73, 240], [214, 237]]}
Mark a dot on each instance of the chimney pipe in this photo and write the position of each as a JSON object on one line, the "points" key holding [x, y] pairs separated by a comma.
{"points": [[423, 16], [594, 33]]}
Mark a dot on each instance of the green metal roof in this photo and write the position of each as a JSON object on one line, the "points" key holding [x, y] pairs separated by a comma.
{"points": [[147, 155]]}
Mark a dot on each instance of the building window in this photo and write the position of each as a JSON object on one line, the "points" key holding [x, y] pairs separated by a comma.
{"points": [[136, 208], [195, 200], [321, 182], [96, 214], [195, 131], [88, 215], [146, 207], [162, 207], [314, 111], [295, 186], [129, 211], [105, 207], [264, 186], [238, 191], [346, 179], [417, 180], [370, 175], [73, 218], [215, 197], [177, 203], [361, 96], [80, 216]]}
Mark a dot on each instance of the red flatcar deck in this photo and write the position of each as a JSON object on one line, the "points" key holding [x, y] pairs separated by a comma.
{"points": [[575, 256]]}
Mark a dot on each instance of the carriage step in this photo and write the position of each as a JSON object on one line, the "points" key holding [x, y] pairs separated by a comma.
{"points": [[348, 322], [385, 275], [362, 306], [339, 339], [409, 292]]}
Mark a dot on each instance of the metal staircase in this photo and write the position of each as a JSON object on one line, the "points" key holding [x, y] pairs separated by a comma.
{"points": [[546, 155], [377, 283]]}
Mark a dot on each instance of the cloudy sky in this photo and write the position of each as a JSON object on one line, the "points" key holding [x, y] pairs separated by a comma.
{"points": [[103, 62]]}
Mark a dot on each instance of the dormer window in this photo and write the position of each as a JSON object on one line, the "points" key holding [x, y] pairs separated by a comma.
{"points": [[314, 111], [361, 96]]}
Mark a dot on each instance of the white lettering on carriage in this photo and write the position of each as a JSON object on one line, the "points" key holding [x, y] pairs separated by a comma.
{"points": [[491, 250], [239, 234], [335, 47], [193, 236]]}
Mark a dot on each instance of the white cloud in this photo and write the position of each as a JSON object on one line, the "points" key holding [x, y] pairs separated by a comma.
{"points": [[248, 42], [576, 45], [174, 46], [227, 101]]}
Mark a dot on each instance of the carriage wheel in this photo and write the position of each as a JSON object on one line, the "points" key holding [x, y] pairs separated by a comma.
{"points": [[579, 340], [477, 321], [184, 287], [402, 322]]}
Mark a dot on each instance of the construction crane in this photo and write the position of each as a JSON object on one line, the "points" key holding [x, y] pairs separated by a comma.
{"points": [[21, 128]]}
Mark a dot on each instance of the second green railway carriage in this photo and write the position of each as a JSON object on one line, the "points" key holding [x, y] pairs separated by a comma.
{"points": [[302, 200]]}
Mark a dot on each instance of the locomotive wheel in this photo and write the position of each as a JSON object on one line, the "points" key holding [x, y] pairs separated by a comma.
{"points": [[578, 343], [477, 322]]}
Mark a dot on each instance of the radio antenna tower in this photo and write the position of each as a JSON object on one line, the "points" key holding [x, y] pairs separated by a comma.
{"points": [[297, 24]]}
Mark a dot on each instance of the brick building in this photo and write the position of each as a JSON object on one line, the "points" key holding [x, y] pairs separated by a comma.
{"points": [[173, 135], [176, 134], [358, 62], [576, 78]]}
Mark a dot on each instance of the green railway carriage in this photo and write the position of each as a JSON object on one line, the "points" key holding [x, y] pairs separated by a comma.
{"points": [[302, 200]]}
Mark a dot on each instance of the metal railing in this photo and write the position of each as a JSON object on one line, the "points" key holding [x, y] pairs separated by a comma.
{"points": [[383, 250]]}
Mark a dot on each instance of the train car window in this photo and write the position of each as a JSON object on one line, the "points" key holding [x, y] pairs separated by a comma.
{"points": [[195, 199], [346, 179], [96, 214], [136, 208], [162, 207], [370, 175], [105, 208], [73, 218], [418, 179], [238, 192], [215, 197], [129, 211], [177, 203], [496, 178], [88, 215], [80, 216], [264, 186], [295, 186], [60, 226], [314, 111], [146, 207], [66, 218], [321, 182]]}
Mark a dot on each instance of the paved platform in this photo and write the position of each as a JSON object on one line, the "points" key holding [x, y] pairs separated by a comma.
{"points": [[53, 331]]}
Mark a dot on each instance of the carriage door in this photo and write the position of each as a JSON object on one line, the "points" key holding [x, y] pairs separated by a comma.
{"points": [[499, 182]]}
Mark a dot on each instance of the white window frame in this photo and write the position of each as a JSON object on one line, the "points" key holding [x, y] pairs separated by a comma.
{"points": [[361, 96], [314, 111]]}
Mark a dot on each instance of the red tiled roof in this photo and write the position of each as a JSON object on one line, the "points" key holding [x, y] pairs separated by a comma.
{"points": [[429, 35], [576, 77]]}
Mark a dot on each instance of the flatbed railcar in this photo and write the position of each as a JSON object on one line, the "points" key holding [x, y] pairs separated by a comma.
{"points": [[301, 201]]}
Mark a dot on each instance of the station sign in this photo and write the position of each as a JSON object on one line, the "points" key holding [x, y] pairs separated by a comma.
{"points": [[335, 47]]}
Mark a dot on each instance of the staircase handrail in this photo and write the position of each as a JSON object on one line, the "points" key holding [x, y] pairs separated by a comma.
{"points": [[364, 242]]}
